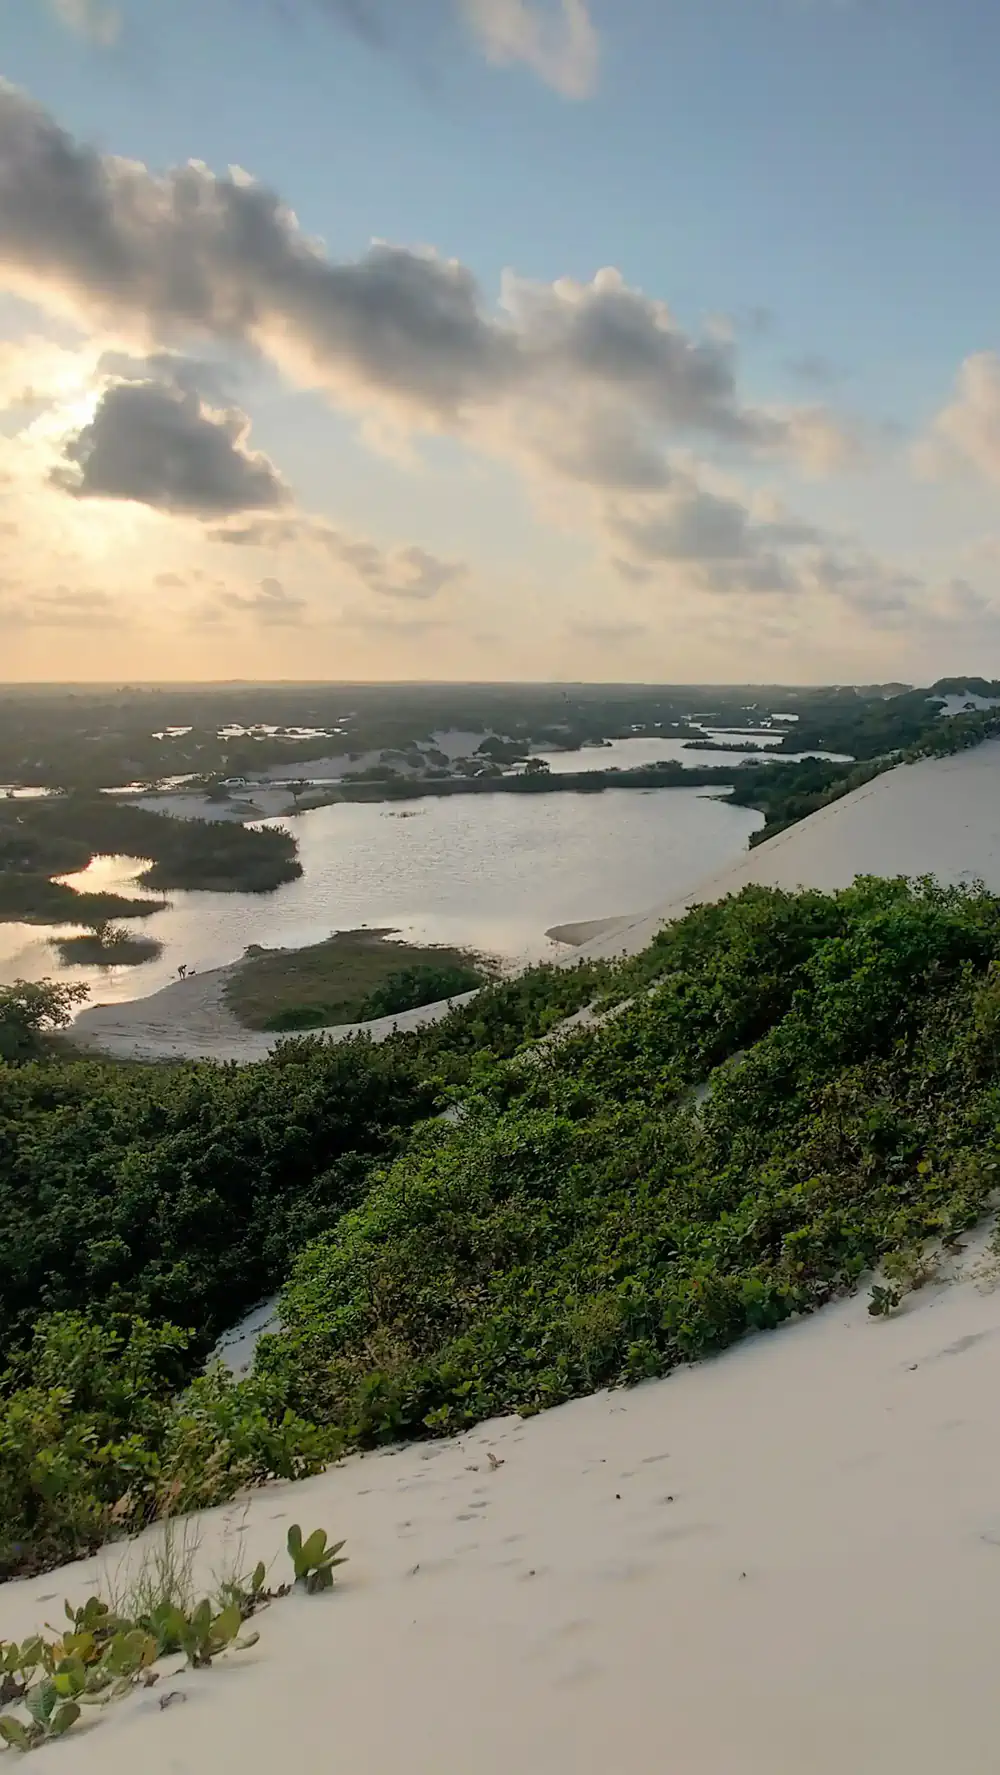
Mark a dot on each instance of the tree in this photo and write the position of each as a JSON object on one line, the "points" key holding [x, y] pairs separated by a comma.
{"points": [[30, 1010]]}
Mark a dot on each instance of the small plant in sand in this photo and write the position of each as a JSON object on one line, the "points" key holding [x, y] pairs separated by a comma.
{"points": [[201, 1635], [882, 1301], [101, 1659], [50, 1718], [111, 1647], [904, 1271], [313, 1561]]}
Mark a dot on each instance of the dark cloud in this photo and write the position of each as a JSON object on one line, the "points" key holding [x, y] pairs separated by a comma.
{"points": [[883, 593], [726, 549], [696, 525], [158, 444], [270, 604]]}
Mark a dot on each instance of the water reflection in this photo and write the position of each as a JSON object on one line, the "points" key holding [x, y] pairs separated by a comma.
{"points": [[490, 871]]}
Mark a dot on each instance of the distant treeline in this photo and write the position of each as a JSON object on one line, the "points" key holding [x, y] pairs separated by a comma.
{"points": [[91, 737]]}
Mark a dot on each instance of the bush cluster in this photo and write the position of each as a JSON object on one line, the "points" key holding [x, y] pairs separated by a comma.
{"points": [[793, 1087]]}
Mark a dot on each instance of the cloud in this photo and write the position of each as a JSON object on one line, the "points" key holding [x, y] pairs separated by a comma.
{"points": [[723, 546], [692, 524], [966, 433], [157, 443], [556, 39], [59, 608], [692, 538], [89, 18], [590, 381], [407, 573], [270, 605]]}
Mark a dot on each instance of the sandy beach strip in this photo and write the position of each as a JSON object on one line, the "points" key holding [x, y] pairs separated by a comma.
{"points": [[784, 1561], [190, 1020]]}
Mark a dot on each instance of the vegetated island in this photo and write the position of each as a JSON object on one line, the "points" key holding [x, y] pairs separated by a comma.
{"points": [[351, 977], [61, 834]]}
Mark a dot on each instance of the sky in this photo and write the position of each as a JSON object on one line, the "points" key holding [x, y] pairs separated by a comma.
{"points": [[642, 340]]}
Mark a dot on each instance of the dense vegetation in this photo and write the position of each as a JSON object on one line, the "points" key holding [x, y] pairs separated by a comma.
{"points": [[584, 1221], [61, 833], [181, 1192]]}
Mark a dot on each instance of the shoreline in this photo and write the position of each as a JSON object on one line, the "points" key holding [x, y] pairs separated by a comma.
{"points": [[937, 817]]}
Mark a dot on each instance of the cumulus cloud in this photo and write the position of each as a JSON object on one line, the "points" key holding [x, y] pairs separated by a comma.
{"points": [[715, 542], [723, 545], [406, 573], [156, 442], [269, 604], [966, 433], [589, 380]]}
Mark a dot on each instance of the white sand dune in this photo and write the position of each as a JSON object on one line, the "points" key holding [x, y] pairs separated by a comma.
{"points": [[939, 817], [785, 1561]]}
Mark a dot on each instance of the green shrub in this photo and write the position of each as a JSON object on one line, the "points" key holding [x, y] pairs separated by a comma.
{"points": [[180, 1193], [410, 988], [584, 1222]]}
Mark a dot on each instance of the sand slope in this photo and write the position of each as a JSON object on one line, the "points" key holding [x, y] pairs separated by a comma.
{"points": [[939, 817], [782, 1562]]}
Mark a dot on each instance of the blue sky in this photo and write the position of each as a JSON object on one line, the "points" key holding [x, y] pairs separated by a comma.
{"points": [[805, 183]]}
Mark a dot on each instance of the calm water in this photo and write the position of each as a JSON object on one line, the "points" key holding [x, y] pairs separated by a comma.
{"points": [[489, 871], [627, 754]]}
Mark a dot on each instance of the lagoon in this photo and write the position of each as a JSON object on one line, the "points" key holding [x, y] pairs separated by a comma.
{"points": [[490, 872]]}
